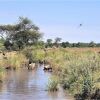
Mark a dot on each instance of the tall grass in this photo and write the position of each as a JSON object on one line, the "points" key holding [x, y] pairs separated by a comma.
{"points": [[78, 69], [53, 84], [34, 54], [13, 60]]}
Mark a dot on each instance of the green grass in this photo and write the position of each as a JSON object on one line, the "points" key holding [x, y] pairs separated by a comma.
{"points": [[53, 83], [78, 69]]}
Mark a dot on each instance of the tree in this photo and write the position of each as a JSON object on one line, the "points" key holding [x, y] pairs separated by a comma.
{"points": [[57, 40], [78, 44], [21, 34], [65, 44], [92, 44], [49, 42]]}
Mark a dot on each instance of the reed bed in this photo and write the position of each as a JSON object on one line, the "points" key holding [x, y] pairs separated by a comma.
{"points": [[78, 70]]}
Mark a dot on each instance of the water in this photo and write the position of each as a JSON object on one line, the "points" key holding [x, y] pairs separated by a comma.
{"points": [[29, 85]]}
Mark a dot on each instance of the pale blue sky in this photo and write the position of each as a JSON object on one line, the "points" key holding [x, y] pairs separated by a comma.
{"points": [[57, 18]]}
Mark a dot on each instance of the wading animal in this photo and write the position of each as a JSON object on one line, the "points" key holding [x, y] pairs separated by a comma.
{"points": [[31, 66], [47, 67]]}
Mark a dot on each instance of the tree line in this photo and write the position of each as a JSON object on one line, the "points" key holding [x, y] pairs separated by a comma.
{"points": [[49, 43], [25, 33]]}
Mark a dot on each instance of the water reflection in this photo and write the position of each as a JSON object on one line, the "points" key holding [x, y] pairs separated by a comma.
{"points": [[28, 85]]}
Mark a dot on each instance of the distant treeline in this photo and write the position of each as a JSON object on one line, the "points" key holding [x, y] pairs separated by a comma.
{"points": [[58, 43], [79, 44]]}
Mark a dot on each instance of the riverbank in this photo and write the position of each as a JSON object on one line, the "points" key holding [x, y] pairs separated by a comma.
{"points": [[76, 69]]}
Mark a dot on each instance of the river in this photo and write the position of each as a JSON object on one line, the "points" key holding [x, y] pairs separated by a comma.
{"points": [[29, 85]]}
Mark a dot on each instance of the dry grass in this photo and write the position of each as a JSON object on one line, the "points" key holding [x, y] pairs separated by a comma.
{"points": [[12, 59]]}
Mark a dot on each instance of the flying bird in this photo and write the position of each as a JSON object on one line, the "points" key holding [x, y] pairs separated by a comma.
{"points": [[80, 25]]}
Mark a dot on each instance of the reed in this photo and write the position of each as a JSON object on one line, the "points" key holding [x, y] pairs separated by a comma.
{"points": [[53, 84]]}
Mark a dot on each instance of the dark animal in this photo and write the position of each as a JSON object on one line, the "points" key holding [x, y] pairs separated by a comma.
{"points": [[8, 67], [41, 62], [47, 67]]}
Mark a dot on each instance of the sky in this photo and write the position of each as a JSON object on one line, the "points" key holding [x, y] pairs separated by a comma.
{"points": [[57, 18]]}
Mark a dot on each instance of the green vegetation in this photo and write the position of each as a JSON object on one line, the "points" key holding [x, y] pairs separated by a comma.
{"points": [[12, 60], [78, 68], [20, 35], [53, 83], [2, 44]]}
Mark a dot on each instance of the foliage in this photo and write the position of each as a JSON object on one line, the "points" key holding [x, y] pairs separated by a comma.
{"points": [[21, 34], [49, 43], [57, 40], [92, 44], [13, 60], [78, 69], [2, 44], [53, 84], [65, 44]]}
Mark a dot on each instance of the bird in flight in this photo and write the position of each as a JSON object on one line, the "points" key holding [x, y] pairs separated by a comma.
{"points": [[80, 25]]}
